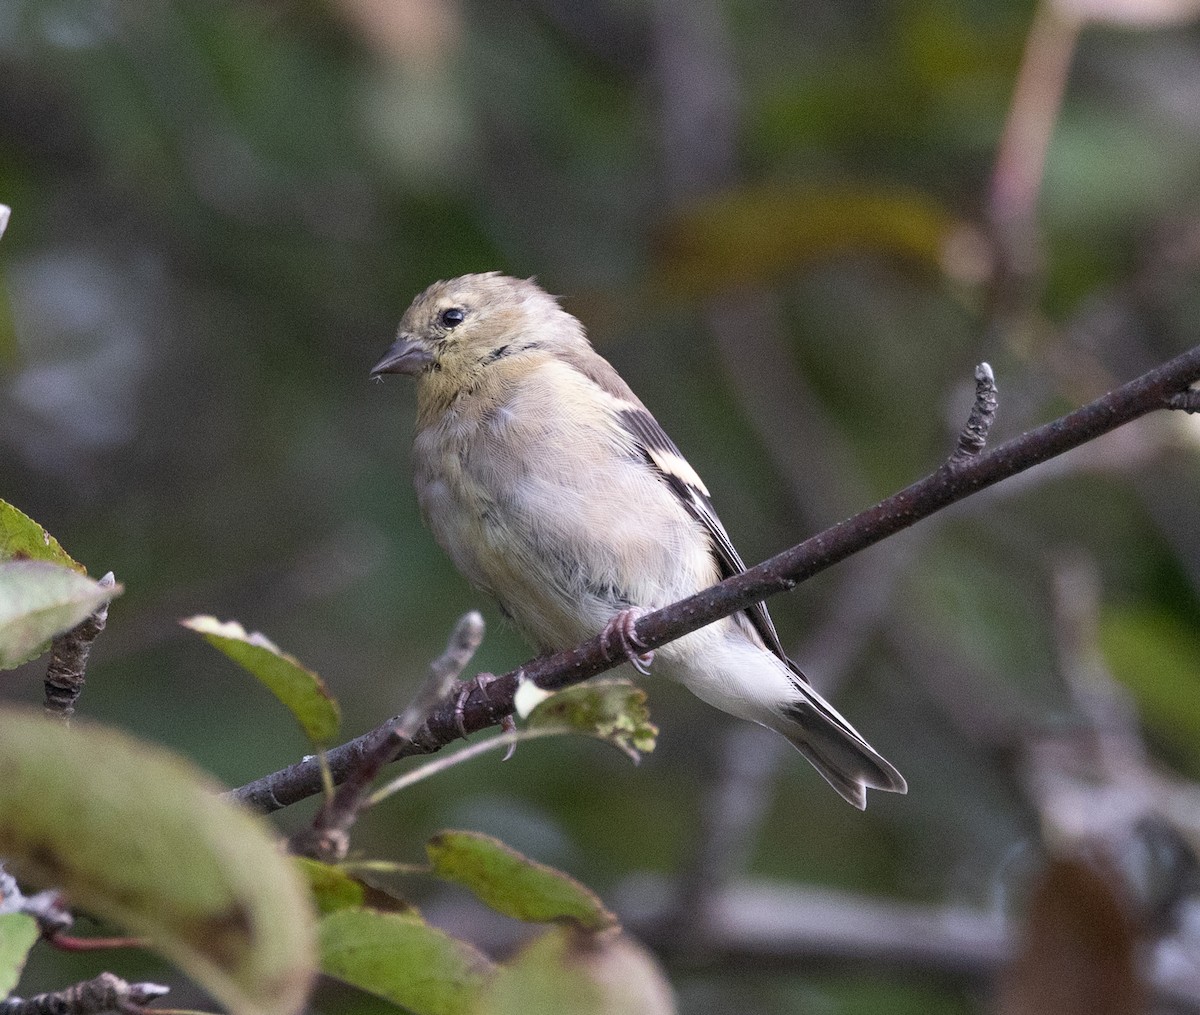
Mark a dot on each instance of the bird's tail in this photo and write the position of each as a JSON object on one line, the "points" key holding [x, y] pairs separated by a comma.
{"points": [[835, 748]]}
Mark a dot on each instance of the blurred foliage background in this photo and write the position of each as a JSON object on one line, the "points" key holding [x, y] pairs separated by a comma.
{"points": [[792, 226]]}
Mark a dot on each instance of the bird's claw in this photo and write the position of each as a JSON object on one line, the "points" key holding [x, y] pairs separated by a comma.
{"points": [[509, 725], [623, 627]]}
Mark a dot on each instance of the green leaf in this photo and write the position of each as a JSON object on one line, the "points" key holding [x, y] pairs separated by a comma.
{"points": [[583, 974], [298, 688], [513, 884], [399, 957], [138, 836], [336, 888], [611, 710], [754, 234], [21, 538], [18, 932], [332, 887], [39, 600]]}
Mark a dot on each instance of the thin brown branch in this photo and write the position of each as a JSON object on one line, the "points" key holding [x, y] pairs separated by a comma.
{"points": [[68, 661], [328, 838], [488, 703]]}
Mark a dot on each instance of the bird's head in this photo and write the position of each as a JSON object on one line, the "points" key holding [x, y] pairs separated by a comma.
{"points": [[455, 330]]}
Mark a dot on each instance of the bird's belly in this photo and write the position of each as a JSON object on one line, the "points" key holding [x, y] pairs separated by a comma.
{"points": [[562, 551]]}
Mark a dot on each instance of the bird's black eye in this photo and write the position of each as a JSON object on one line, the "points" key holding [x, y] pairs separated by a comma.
{"points": [[453, 317]]}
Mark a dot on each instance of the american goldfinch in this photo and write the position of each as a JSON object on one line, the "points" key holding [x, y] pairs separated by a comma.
{"points": [[554, 490]]}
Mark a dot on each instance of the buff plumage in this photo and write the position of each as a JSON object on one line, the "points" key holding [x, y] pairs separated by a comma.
{"points": [[554, 490]]}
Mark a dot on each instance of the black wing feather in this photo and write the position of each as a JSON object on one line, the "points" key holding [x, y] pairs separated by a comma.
{"points": [[652, 439]]}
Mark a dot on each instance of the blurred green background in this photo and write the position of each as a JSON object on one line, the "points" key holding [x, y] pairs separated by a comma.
{"points": [[774, 219]]}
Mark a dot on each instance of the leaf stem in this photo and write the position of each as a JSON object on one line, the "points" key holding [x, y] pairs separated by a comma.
{"points": [[466, 754]]}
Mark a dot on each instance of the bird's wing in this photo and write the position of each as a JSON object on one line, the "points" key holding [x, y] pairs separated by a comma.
{"points": [[672, 468]]}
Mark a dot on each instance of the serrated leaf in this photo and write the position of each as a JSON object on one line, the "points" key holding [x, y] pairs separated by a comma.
{"points": [[39, 600], [566, 971], [300, 690], [21, 538], [399, 957], [611, 710], [140, 837], [18, 932], [513, 884]]}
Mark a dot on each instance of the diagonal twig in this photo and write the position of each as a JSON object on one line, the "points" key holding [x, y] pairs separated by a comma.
{"points": [[328, 837], [486, 705]]}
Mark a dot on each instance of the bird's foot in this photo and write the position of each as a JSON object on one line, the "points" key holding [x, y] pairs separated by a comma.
{"points": [[623, 628], [480, 682]]}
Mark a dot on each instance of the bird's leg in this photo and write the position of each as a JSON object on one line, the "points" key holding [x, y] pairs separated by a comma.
{"points": [[480, 682], [623, 628]]}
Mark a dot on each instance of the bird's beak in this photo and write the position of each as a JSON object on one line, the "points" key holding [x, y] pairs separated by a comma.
{"points": [[406, 356]]}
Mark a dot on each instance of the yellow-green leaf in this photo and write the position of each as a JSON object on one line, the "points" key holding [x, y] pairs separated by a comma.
{"points": [[583, 974], [399, 957], [332, 887], [39, 600], [18, 932], [21, 538], [297, 687], [513, 884], [140, 837], [611, 710]]}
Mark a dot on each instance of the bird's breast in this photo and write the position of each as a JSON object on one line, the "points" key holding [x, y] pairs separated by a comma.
{"points": [[555, 516]]}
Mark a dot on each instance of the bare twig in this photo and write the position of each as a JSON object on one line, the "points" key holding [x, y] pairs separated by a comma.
{"points": [[45, 907], [328, 837], [487, 705], [104, 993], [444, 672], [68, 661]]}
